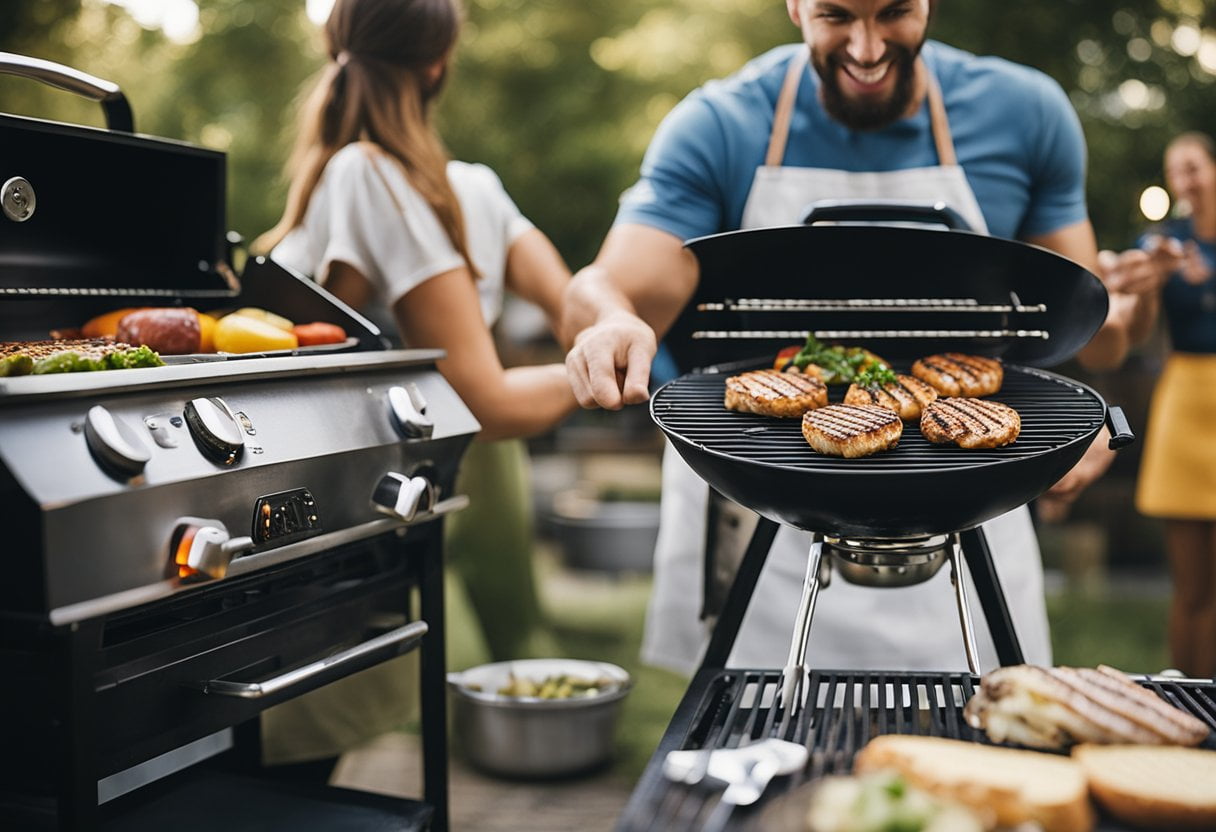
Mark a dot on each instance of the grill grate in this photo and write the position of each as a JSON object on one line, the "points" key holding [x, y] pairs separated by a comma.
{"points": [[1054, 411], [845, 710]]}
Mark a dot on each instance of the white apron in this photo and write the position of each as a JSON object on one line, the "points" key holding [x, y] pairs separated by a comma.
{"points": [[854, 627]]}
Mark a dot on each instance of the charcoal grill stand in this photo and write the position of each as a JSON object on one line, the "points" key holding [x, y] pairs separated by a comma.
{"points": [[975, 552], [714, 686]]}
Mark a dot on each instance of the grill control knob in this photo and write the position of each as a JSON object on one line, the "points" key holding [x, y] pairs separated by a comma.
{"points": [[116, 445], [407, 408], [403, 497], [215, 429], [204, 547]]}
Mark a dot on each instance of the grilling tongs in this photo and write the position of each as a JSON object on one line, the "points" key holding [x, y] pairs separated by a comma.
{"points": [[796, 673]]}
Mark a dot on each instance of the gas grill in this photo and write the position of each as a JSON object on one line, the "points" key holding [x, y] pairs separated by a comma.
{"points": [[884, 521], [188, 545]]}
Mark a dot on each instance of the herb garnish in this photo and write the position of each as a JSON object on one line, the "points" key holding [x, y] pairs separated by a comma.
{"points": [[839, 365], [875, 376]]}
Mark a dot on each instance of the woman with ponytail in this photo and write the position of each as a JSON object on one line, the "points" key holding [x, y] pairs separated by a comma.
{"points": [[379, 215]]}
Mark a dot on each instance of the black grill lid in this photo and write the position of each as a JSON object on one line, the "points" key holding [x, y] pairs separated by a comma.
{"points": [[113, 213], [994, 297]]}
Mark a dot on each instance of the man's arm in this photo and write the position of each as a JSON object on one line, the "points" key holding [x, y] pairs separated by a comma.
{"points": [[615, 310]]}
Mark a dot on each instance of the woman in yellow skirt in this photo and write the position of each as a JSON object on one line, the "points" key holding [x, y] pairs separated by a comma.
{"points": [[1178, 472]]}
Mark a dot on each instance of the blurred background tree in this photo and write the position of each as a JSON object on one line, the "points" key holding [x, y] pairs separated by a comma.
{"points": [[561, 98]]}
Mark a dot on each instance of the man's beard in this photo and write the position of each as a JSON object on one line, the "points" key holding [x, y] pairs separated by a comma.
{"points": [[866, 113]]}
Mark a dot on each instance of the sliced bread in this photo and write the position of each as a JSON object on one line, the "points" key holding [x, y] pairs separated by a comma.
{"points": [[1159, 787], [1010, 785]]}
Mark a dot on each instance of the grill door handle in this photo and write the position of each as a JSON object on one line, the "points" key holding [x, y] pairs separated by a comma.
{"points": [[113, 102], [1120, 431], [402, 638]]}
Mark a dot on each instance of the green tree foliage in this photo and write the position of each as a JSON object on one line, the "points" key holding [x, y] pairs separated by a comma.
{"points": [[561, 98]]}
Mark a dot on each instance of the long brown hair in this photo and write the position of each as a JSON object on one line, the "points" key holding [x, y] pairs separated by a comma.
{"points": [[376, 88]]}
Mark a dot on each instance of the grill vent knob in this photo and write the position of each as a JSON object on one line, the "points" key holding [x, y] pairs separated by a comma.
{"points": [[215, 429], [116, 445]]}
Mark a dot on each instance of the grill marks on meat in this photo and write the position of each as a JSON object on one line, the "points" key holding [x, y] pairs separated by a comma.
{"points": [[907, 396], [773, 393], [852, 430], [1053, 707], [958, 374], [970, 423]]}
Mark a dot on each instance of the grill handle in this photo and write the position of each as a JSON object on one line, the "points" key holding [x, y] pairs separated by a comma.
{"points": [[113, 102], [879, 210], [399, 641], [1120, 431]]}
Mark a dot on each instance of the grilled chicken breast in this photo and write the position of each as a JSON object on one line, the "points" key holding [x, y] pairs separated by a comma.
{"points": [[957, 374], [1054, 707], [774, 393], [907, 396], [852, 430], [970, 423]]}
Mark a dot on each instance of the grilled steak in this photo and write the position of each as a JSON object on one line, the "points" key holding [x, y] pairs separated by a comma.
{"points": [[970, 423], [956, 374], [1053, 707], [907, 396], [773, 393], [852, 430]]}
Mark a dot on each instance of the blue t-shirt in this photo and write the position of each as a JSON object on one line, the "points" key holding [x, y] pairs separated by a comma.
{"points": [[1190, 310], [1015, 134]]}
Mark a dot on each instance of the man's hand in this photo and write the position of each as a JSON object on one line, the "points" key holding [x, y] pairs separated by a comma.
{"points": [[609, 364], [1195, 267], [1053, 506]]}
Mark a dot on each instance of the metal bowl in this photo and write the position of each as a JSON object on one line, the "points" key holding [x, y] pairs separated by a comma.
{"points": [[527, 737]]}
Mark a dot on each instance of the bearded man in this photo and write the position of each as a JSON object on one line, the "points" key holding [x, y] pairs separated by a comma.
{"points": [[879, 113]]}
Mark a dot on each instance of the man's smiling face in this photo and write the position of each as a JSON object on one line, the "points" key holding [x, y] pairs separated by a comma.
{"points": [[865, 53]]}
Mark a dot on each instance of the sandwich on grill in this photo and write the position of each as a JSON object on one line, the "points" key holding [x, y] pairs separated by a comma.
{"points": [[958, 374], [1008, 786], [1054, 707], [906, 395], [773, 393], [852, 430], [970, 423], [1152, 787]]}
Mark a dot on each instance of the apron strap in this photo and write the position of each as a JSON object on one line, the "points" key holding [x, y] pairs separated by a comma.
{"points": [[783, 112], [946, 156], [785, 109]]}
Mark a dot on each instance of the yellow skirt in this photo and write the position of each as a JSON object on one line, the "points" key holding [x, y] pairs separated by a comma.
{"points": [[1178, 468]]}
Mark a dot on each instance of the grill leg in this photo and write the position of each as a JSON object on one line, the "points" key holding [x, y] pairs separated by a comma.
{"points": [[727, 627], [433, 679], [964, 611], [992, 600]]}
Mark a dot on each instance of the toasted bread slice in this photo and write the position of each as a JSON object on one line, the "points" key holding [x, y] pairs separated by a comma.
{"points": [[1154, 786], [1014, 786], [774, 393], [852, 430]]}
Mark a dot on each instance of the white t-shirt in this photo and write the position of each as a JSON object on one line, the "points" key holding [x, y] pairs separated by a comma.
{"points": [[353, 218]]}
